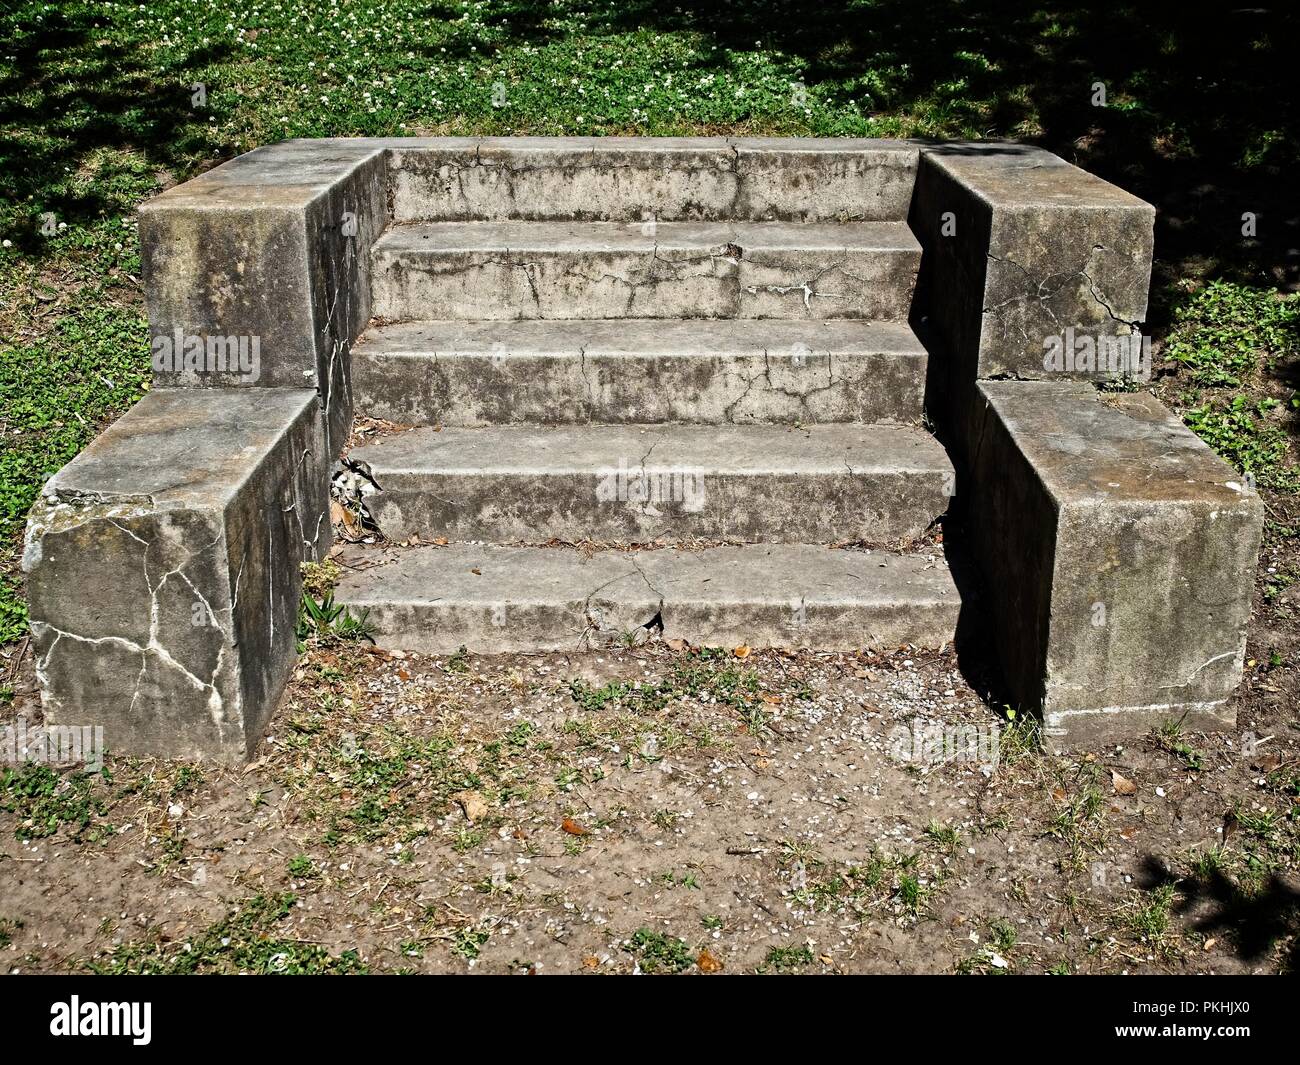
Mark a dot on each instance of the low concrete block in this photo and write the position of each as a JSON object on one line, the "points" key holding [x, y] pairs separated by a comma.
{"points": [[257, 273], [163, 569], [1119, 552]]}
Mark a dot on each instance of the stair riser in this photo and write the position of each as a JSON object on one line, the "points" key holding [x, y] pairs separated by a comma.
{"points": [[659, 283], [879, 507], [553, 388], [682, 180], [607, 621]]}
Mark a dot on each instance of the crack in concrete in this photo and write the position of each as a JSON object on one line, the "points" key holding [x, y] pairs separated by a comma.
{"points": [[154, 648]]}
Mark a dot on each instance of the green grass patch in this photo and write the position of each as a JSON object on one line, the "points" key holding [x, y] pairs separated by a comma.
{"points": [[1246, 432], [787, 959], [45, 802], [1224, 334], [245, 941], [657, 952]]}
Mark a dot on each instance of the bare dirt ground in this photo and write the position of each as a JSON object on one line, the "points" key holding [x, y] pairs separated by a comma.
{"points": [[665, 809]]}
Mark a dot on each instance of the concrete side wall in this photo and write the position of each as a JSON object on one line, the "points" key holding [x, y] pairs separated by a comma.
{"points": [[271, 251], [1118, 553], [1117, 550], [163, 569], [1019, 247]]}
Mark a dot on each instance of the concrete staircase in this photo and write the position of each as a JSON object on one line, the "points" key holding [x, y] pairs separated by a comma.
{"points": [[717, 369], [643, 387]]}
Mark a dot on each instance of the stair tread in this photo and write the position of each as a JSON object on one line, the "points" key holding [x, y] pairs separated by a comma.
{"points": [[780, 573], [640, 336], [556, 236], [721, 449]]}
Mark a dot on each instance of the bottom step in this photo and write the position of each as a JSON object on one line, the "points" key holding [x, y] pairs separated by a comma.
{"points": [[491, 598]]}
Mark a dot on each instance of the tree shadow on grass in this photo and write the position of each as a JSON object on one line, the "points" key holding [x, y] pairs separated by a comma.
{"points": [[1200, 100], [66, 96]]}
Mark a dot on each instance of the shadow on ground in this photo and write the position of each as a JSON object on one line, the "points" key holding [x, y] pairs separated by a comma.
{"points": [[1215, 906]]}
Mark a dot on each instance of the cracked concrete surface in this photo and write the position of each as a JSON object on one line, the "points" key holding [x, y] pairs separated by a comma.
{"points": [[817, 485], [162, 569], [640, 371], [706, 281], [566, 270], [778, 595], [669, 179], [1020, 245]]}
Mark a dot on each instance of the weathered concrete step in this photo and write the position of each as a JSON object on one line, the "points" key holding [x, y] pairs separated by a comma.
{"points": [[632, 178], [496, 270], [490, 598], [823, 484], [639, 370]]}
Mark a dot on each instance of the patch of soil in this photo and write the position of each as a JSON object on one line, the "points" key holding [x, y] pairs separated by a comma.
{"points": [[672, 810]]}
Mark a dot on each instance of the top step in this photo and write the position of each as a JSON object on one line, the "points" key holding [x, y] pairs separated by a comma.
{"points": [[626, 179]]}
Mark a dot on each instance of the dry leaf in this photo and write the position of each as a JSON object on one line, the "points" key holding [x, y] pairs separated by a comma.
{"points": [[709, 962], [676, 645], [477, 572], [573, 828], [1058, 794], [591, 961], [1121, 784], [403, 675], [472, 805], [742, 651], [441, 541]]}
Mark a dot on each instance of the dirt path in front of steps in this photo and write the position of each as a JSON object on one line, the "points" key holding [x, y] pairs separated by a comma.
{"points": [[662, 809]]}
